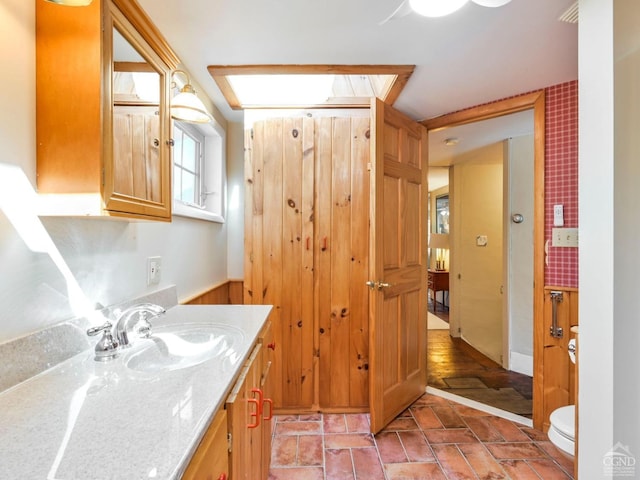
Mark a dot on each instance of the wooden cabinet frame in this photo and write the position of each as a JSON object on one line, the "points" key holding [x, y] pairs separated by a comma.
{"points": [[74, 106]]}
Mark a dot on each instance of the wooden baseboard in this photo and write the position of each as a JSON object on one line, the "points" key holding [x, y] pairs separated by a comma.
{"points": [[311, 411], [227, 293]]}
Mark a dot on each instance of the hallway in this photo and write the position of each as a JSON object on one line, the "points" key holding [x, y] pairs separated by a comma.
{"points": [[455, 367], [433, 439]]}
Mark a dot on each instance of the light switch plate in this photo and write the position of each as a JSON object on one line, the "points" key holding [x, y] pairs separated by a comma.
{"points": [[564, 237]]}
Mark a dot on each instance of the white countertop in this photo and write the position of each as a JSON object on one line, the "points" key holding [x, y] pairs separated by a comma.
{"points": [[87, 420]]}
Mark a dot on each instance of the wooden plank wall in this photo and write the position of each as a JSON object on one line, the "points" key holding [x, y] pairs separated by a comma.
{"points": [[306, 250], [342, 235], [555, 377], [228, 293]]}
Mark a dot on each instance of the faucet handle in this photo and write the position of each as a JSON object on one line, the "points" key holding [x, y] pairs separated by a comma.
{"points": [[107, 347], [96, 330]]}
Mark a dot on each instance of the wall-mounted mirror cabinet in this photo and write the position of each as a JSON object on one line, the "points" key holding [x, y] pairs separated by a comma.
{"points": [[103, 76]]}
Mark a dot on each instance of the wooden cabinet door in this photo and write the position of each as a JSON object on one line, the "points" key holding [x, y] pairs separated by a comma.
{"points": [[244, 411], [398, 264], [266, 385], [76, 156], [211, 460]]}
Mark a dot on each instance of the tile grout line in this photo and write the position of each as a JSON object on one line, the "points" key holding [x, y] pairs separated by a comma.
{"points": [[375, 444], [484, 444], [324, 457], [435, 456]]}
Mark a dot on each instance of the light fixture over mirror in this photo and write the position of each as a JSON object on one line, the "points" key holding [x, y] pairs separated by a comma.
{"points": [[186, 105], [71, 3]]}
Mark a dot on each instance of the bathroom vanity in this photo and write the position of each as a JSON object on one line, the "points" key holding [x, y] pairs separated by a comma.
{"points": [[162, 409]]}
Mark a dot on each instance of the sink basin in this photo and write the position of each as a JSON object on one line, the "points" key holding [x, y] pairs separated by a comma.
{"points": [[186, 345]]}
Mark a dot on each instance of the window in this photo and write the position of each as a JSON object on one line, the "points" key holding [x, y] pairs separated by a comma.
{"points": [[243, 86], [188, 151], [198, 171]]}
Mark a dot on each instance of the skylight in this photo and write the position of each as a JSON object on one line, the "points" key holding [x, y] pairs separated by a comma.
{"points": [[267, 86]]}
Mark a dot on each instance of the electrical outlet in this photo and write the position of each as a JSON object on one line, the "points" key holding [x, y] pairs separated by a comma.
{"points": [[153, 270]]}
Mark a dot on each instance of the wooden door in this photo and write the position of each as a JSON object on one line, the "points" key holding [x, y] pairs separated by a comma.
{"points": [[306, 253], [398, 264], [211, 460]]}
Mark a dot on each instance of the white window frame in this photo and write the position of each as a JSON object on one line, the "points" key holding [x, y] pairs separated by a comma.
{"points": [[212, 183]]}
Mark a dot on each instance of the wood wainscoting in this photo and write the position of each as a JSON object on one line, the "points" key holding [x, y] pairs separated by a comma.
{"points": [[227, 293], [554, 380]]}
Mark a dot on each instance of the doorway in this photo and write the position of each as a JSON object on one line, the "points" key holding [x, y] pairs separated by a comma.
{"points": [[503, 349]]}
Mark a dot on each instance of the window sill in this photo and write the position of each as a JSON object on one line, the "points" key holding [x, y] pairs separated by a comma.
{"points": [[182, 210]]}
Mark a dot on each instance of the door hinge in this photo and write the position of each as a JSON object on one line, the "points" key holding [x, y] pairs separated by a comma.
{"points": [[369, 166], [103, 177], [229, 442]]}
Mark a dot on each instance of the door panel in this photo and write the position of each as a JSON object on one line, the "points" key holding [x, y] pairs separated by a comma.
{"points": [[306, 253], [398, 259]]}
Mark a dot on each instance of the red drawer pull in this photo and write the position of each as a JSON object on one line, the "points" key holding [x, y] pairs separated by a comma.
{"points": [[271, 345], [258, 403], [223, 477], [270, 402], [255, 414]]}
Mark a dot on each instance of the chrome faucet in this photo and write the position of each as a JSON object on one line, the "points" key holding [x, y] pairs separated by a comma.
{"points": [[135, 320]]}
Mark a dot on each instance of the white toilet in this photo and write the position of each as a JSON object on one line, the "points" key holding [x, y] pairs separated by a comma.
{"points": [[562, 432]]}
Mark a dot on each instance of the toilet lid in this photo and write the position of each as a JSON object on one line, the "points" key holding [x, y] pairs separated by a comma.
{"points": [[563, 419]]}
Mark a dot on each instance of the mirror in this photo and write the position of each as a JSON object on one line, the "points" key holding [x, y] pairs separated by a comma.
{"points": [[136, 102], [442, 214]]}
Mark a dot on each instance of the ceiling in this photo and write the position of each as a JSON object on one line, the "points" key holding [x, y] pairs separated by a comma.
{"points": [[474, 56]]}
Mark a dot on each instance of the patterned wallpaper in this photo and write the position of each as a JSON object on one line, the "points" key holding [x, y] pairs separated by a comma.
{"points": [[561, 178]]}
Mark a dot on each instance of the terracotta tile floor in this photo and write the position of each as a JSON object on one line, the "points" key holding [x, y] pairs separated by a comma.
{"points": [[433, 439]]}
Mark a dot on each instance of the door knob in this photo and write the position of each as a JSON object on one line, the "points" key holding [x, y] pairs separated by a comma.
{"points": [[379, 285]]}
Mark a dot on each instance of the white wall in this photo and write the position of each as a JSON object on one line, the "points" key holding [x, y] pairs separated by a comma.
{"points": [[596, 220], [519, 170], [235, 187], [107, 257], [626, 228], [476, 272]]}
